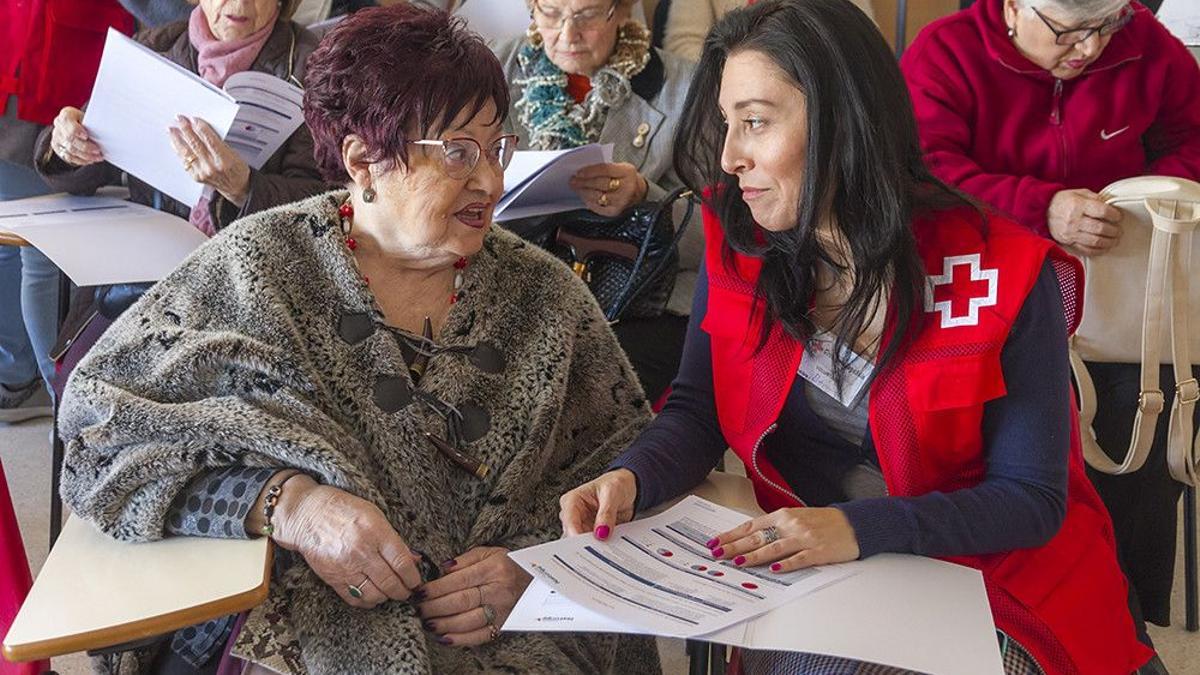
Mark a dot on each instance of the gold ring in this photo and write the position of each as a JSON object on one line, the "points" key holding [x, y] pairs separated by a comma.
{"points": [[603, 200], [493, 634], [614, 184], [187, 163]]}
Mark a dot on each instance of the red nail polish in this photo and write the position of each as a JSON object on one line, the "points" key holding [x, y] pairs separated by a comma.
{"points": [[449, 563], [443, 640], [775, 567], [718, 552], [740, 560], [714, 542], [602, 532]]}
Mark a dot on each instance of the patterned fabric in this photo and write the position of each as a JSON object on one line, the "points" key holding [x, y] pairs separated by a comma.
{"points": [[554, 120], [1016, 661], [238, 358], [213, 505]]}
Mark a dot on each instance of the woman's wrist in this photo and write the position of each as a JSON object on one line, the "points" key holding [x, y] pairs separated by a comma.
{"points": [[277, 505]]}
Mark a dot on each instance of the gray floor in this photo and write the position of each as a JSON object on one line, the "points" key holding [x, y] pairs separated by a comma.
{"points": [[25, 451]]}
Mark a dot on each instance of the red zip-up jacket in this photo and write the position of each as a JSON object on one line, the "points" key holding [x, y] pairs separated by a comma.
{"points": [[1003, 129], [50, 51]]}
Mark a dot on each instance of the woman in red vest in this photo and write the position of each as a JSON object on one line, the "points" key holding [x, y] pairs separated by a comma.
{"points": [[875, 348]]}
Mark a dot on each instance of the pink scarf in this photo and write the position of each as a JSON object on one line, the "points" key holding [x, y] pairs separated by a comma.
{"points": [[217, 60]]}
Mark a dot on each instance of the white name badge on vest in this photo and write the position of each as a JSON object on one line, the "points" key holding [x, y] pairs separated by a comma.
{"points": [[817, 367]]}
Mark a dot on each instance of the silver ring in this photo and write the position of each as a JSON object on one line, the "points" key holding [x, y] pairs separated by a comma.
{"points": [[356, 592], [489, 615], [770, 534]]}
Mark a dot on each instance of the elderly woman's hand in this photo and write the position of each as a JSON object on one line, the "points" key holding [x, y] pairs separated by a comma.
{"points": [[70, 139], [467, 606], [347, 541], [1080, 219], [789, 539], [599, 505], [610, 189], [210, 160]]}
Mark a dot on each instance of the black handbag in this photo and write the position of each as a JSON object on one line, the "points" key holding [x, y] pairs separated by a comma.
{"points": [[628, 261]]}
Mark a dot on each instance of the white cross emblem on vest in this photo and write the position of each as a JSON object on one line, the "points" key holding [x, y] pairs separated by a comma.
{"points": [[945, 304]]}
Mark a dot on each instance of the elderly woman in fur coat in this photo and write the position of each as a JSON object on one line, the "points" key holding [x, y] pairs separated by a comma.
{"points": [[392, 390]]}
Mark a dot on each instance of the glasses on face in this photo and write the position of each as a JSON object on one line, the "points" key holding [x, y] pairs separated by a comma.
{"points": [[460, 155], [1074, 36], [589, 19]]}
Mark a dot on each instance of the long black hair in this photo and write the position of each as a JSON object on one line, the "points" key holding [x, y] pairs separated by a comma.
{"points": [[863, 162]]}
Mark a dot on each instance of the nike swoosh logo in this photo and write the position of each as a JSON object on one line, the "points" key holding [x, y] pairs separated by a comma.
{"points": [[1105, 135]]}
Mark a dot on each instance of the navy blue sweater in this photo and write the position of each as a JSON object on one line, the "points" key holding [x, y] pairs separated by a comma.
{"points": [[1026, 437]]}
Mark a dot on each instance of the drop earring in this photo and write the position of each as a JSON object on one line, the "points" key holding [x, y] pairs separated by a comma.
{"points": [[368, 195]]}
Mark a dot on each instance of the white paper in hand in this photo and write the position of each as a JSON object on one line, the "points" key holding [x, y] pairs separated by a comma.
{"points": [[269, 111], [137, 96], [537, 182]]}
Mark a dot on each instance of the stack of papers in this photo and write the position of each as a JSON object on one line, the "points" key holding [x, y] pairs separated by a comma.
{"points": [[128, 116], [102, 240], [537, 182], [655, 577]]}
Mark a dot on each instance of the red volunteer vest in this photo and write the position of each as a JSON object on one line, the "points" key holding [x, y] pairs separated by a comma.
{"points": [[1065, 601]]}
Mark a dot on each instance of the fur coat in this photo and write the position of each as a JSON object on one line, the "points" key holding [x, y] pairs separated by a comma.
{"points": [[241, 357]]}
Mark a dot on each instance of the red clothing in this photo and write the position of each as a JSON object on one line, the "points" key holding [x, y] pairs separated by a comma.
{"points": [[1003, 129], [15, 579], [50, 51], [1064, 601], [578, 86]]}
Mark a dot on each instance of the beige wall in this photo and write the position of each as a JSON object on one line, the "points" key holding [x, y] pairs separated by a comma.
{"points": [[920, 13]]}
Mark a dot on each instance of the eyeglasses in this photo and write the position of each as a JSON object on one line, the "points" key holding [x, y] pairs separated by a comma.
{"points": [[461, 155], [1074, 36], [588, 19]]}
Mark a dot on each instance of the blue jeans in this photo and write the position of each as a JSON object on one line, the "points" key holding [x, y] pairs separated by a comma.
{"points": [[28, 294]]}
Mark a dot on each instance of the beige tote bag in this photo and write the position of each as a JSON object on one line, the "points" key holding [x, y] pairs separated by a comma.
{"points": [[1139, 299]]}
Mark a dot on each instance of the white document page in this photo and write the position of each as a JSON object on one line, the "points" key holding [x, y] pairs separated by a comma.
{"points": [[657, 575], [269, 111], [1182, 18], [899, 610], [101, 240], [537, 182], [137, 95]]}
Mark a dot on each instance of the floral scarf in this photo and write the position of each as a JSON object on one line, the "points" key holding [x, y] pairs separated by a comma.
{"points": [[546, 110]]}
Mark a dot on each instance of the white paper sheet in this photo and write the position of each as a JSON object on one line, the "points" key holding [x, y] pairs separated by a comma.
{"points": [[656, 574], [537, 182], [101, 240], [269, 111], [899, 610], [137, 95], [1182, 18]]}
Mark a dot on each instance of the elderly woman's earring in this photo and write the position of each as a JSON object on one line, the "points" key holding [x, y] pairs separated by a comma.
{"points": [[368, 195]]}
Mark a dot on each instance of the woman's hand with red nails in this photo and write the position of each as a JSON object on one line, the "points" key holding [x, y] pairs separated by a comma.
{"points": [[807, 537], [599, 505], [452, 606]]}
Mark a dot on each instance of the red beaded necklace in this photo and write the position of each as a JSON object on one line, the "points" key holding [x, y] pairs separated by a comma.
{"points": [[346, 211]]}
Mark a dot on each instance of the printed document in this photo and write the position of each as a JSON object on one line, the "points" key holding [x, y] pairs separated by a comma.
{"points": [[137, 96], [102, 240], [537, 182], [657, 576]]}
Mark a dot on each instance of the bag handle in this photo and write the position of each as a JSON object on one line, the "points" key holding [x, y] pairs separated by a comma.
{"points": [[630, 291], [1167, 277]]}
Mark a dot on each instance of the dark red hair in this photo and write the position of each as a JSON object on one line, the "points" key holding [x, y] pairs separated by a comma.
{"points": [[387, 72]]}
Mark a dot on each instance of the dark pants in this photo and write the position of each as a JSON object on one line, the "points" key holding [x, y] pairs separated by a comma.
{"points": [[654, 347], [1144, 504]]}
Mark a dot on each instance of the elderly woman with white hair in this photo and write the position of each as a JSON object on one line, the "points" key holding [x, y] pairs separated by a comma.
{"points": [[1035, 106]]}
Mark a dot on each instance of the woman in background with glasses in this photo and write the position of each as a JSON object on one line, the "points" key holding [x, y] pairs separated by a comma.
{"points": [[375, 378], [585, 73], [1034, 107]]}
